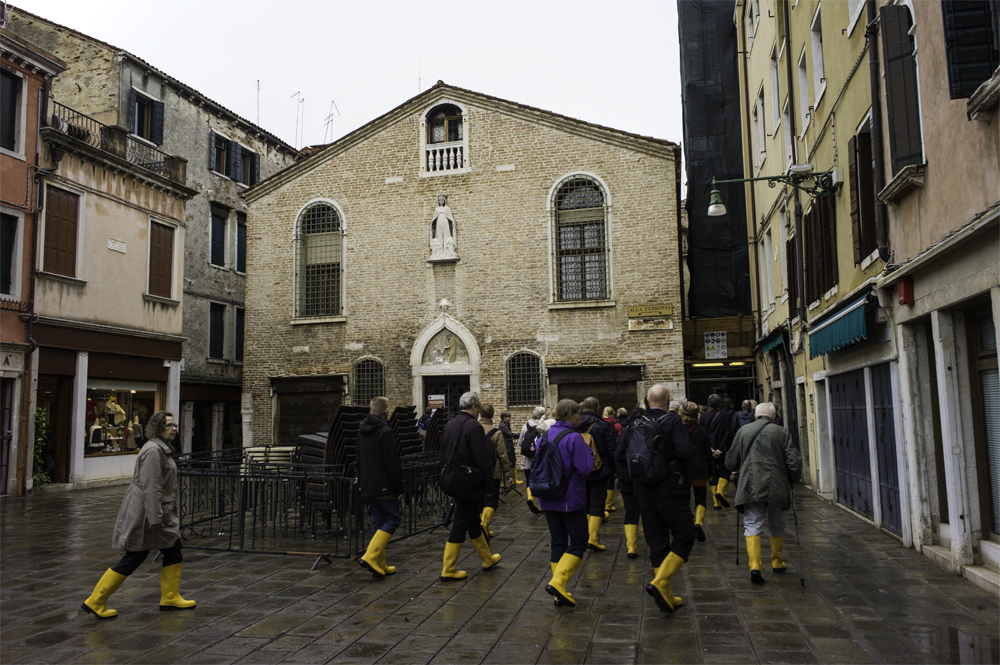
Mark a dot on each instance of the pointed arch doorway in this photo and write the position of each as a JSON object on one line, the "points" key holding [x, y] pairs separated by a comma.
{"points": [[444, 363]]}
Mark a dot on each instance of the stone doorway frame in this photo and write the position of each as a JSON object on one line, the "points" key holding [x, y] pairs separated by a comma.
{"points": [[419, 370]]}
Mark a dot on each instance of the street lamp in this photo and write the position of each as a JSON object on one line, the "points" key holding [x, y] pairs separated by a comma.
{"points": [[799, 176]]}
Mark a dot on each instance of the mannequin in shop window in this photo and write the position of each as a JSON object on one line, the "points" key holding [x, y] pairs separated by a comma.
{"points": [[96, 437]]}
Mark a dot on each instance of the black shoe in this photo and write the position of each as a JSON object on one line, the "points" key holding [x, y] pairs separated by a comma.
{"points": [[717, 507], [532, 507], [722, 499], [756, 577], [699, 533], [633, 555], [779, 571]]}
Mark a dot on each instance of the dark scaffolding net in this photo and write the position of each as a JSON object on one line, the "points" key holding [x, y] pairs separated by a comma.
{"points": [[717, 255]]}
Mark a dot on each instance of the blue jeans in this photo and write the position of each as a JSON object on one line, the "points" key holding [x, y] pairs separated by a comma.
{"points": [[385, 514]]}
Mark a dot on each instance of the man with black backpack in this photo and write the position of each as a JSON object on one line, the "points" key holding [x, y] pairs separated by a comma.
{"points": [[526, 442], [602, 443], [466, 473], [718, 421], [655, 452]]}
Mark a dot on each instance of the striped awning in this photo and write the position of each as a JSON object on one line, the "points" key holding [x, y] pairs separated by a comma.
{"points": [[844, 328]]}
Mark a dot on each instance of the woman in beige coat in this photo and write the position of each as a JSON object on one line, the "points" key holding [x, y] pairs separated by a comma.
{"points": [[147, 519]]}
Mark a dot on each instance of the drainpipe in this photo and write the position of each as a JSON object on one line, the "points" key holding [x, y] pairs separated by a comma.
{"points": [[871, 34], [753, 198]]}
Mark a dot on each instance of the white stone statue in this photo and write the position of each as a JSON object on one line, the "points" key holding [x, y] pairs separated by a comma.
{"points": [[443, 231]]}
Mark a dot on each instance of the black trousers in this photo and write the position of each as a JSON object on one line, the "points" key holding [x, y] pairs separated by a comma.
{"points": [[466, 521], [700, 495], [631, 506], [493, 500], [568, 532], [131, 561], [597, 496], [669, 526]]}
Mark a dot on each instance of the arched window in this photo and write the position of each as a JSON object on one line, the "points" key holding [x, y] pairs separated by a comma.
{"points": [[444, 142], [581, 262], [524, 379], [369, 381], [318, 262]]}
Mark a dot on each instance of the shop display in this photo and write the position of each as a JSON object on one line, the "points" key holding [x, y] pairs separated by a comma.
{"points": [[116, 419]]}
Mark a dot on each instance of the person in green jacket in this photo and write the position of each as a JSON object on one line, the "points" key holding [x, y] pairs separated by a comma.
{"points": [[768, 462]]}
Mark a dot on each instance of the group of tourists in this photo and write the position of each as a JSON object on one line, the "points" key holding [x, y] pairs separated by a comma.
{"points": [[661, 454]]}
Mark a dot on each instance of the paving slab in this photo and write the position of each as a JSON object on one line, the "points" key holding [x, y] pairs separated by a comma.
{"points": [[866, 598]]}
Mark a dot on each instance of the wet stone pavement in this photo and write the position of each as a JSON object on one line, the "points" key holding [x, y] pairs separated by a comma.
{"points": [[866, 599]]}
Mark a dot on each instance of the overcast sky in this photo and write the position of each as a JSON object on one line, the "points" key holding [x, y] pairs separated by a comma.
{"points": [[613, 62]]}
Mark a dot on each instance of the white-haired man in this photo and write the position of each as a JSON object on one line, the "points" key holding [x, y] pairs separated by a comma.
{"points": [[769, 462]]}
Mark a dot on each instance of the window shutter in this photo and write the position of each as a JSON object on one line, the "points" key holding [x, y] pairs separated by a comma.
{"points": [[902, 103], [970, 33], [866, 195], [216, 330], [131, 110], [156, 131], [161, 259], [814, 256], [256, 169], [793, 275], [61, 222], [828, 244], [235, 161], [211, 152], [852, 181]]}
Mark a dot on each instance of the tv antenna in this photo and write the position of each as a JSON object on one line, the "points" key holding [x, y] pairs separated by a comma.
{"points": [[298, 112], [328, 121]]}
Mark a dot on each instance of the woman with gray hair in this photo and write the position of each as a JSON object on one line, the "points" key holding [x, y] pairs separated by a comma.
{"points": [[148, 518], [526, 443]]}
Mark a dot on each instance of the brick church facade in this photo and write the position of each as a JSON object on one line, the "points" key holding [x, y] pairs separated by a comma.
{"points": [[461, 241]]}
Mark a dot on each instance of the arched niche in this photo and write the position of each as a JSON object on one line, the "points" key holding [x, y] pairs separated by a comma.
{"points": [[444, 348]]}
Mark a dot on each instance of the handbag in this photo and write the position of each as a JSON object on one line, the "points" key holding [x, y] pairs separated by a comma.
{"points": [[460, 480]]}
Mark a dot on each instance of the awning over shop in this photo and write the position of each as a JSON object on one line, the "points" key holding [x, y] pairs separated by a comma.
{"points": [[773, 343], [841, 330]]}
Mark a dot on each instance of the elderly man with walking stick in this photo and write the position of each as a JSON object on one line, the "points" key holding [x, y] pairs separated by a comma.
{"points": [[768, 462]]}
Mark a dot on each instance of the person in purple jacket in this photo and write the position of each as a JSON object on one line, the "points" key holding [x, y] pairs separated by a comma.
{"points": [[567, 514]]}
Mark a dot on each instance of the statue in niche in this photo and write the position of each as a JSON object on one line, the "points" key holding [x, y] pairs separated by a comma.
{"points": [[445, 349], [443, 231]]}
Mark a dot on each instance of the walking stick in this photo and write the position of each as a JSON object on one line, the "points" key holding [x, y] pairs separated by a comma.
{"points": [[798, 545], [738, 537]]}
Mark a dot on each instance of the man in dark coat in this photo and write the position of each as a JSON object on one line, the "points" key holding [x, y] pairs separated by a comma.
{"points": [[665, 506], [465, 450], [598, 481], [380, 480], [769, 462], [718, 422]]}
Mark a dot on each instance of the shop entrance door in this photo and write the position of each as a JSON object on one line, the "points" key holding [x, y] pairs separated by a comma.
{"points": [[850, 442], [452, 387], [885, 447]]}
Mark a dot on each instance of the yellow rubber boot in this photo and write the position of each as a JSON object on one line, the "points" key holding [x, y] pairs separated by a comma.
{"points": [[170, 589], [609, 505], [483, 549], [594, 525], [376, 549], [661, 588], [553, 565], [699, 521], [753, 557], [97, 604], [532, 506], [631, 536], [715, 499], [389, 570], [516, 481], [777, 547], [485, 518], [449, 570], [561, 575], [720, 493]]}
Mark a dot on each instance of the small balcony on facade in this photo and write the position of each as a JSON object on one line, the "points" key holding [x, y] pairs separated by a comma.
{"points": [[445, 156], [116, 141]]}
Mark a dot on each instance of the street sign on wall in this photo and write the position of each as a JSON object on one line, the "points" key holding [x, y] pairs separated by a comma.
{"points": [[716, 345]]}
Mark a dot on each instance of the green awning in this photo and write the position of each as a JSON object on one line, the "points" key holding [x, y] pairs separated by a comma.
{"points": [[772, 343], [844, 328]]}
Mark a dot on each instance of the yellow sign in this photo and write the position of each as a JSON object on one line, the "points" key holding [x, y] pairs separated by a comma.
{"points": [[643, 311]]}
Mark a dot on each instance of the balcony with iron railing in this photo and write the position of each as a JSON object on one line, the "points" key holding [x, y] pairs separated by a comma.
{"points": [[116, 141]]}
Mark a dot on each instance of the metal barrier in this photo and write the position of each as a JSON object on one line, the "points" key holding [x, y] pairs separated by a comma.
{"points": [[240, 501]]}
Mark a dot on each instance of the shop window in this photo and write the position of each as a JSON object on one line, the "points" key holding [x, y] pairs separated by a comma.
{"points": [[11, 118], [239, 334], [62, 210], [581, 262], [9, 255], [972, 43], [318, 260], [145, 117], [216, 330], [241, 242], [161, 260], [369, 381], [116, 416], [218, 239], [902, 94], [524, 380]]}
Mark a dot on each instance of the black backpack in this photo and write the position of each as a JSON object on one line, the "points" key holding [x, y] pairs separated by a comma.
{"points": [[548, 475], [646, 456], [528, 444]]}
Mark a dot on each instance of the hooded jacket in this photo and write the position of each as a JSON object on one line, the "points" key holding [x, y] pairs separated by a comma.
{"points": [[379, 472], [604, 440]]}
